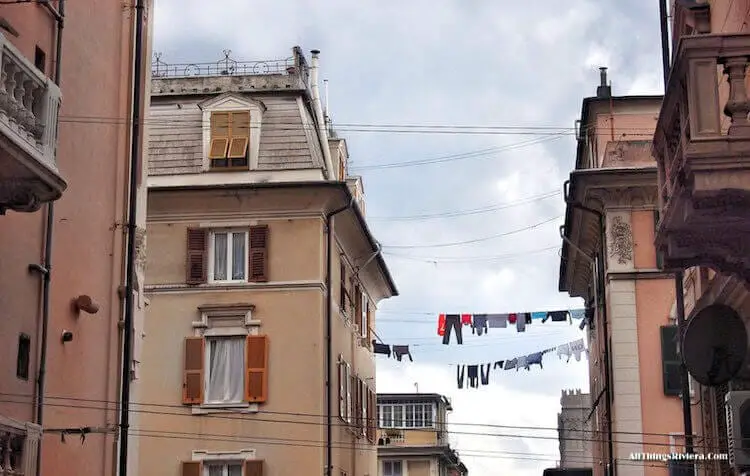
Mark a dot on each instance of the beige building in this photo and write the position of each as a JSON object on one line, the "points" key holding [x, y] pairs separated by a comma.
{"points": [[609, 259], [574, 429], [413, 436], [262, 278]]}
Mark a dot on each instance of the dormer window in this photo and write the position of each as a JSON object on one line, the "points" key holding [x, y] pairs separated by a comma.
{"points": [[230, 137]]}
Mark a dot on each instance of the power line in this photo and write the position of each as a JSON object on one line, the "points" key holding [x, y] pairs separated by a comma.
{"points": [[476, 240], [471, 259], [474, 211]]}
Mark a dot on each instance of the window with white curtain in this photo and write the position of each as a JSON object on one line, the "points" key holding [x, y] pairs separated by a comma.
{"points": [[222, 469], [393, 468], [406, 415], [225, 376], [229, 260]]}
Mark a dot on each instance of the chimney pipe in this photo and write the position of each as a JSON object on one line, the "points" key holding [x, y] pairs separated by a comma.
{"points": [[603, 90], [318, 111]]}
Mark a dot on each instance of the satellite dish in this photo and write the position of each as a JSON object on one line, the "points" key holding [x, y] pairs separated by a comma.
{"points": [[715, 345]]}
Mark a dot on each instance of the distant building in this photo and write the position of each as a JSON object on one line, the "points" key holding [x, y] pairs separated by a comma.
{"points": [[574, 429], [413, 437]]}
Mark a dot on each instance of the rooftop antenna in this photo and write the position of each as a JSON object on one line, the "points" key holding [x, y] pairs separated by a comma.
{"points": [[325, 101], [416, 387]]}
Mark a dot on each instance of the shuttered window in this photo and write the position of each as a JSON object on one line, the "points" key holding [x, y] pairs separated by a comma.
{"points": [[254, 468], [353, 403], [370, 325], [357, 318], [230, 139], [235, 370], [659, 255], [192, 468], [349, 401], [259, 253], [342, 288], [372, 422], [344, 391], [671, 363], [365, 310], [196, 256]]}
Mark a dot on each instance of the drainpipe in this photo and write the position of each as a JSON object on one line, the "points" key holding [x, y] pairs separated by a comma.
{"points": [[329, 330], [315, 92], [135, 149], [665, 57], [605, 330], [46, 269]]}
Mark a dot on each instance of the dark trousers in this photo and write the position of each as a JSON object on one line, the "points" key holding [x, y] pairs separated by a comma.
{"points": [[472, 375], [452, 321]]}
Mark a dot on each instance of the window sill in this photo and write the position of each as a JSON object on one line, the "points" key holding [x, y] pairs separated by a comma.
{"points": [[209, 408]]}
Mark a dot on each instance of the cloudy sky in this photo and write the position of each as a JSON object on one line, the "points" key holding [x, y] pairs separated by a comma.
{"points": [[392, 65]]}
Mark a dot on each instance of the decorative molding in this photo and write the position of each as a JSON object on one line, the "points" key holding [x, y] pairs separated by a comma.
{"points": [[627, 197], [208, 288], [621, 237]]}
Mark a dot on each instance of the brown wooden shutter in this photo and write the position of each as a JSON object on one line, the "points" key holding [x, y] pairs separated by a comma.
{"points": [[192, 384], [240, 134], [191, 468], [219, 135], [258, 266], [254, 467], [358, 308], [374, 420], [342, 290], [256, 385], [197, 256], [342, 389], [370, 325]]}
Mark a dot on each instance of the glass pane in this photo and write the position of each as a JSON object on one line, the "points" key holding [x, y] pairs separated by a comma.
{"points": [[397, 471], [428, 415], [215, 470], [409, 416], [387, 416], [418, 415], [238, 256], [235, 470], [220, 257], [398, 416]]}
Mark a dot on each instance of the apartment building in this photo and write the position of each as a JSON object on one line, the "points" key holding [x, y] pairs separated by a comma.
{"points": [[413, 436], [701, 147], [574, 429], [609, 259], [263, 279], [65, 162]]}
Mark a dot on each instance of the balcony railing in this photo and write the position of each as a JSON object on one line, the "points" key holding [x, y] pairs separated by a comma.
{"points": [[29, 105], [19, 443]]}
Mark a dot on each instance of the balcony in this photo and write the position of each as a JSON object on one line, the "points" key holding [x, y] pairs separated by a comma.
{"points": [[29, 106], [19, 443], [704, 157]]}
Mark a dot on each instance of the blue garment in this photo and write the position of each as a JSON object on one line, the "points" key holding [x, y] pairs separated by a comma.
{"points": [[535, 358], [538, 315]]}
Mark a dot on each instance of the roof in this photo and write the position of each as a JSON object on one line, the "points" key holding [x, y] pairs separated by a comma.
{"points": [[414, 397]]}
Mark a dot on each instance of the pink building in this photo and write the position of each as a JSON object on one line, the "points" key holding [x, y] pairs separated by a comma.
{"points": [[65, 100]]}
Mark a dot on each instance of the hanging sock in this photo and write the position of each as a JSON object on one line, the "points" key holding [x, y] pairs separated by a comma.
{"points": [[400, 351], [485, 373], [535, 358], [564, 350], [479, 324], [472, 375], [381, 348], [465, 319], [499, 363], [460, 370], [441, 325], [510, 364], [539, 315], [576, 348], [497, 320], [512, 317], [452, 321]]}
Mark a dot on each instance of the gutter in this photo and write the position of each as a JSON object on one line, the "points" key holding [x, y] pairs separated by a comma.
{"points": [[329, 331], [46, 269], [315, 91], [135, 150]]}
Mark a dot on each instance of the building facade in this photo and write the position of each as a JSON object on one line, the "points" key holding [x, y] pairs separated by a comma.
{"points": [[262, 279], [65, 157], [574, 429], [701, 146], [609, 259], [413, 436]]}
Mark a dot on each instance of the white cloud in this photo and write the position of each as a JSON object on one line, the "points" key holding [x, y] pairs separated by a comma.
{"points": [[459, 63]]}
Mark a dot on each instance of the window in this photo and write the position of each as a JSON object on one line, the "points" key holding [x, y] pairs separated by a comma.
{"points": [[40, 59], [342, 288], [364, 328], [225, 370], [223, 469], [230, 137], [392, 468], [227, 256], [228, 259], [345, 396], [407, 415], [23, 358]]}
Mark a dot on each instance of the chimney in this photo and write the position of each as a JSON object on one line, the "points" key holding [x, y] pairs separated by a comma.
{"points": [[604, 90]]}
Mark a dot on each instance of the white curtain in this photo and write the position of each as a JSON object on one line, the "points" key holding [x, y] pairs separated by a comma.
{"points": [[216, 470], [220, 256], [226, 370], [238, 256]]}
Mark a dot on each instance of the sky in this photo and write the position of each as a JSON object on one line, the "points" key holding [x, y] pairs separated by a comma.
{"points": [[391, 65]]}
